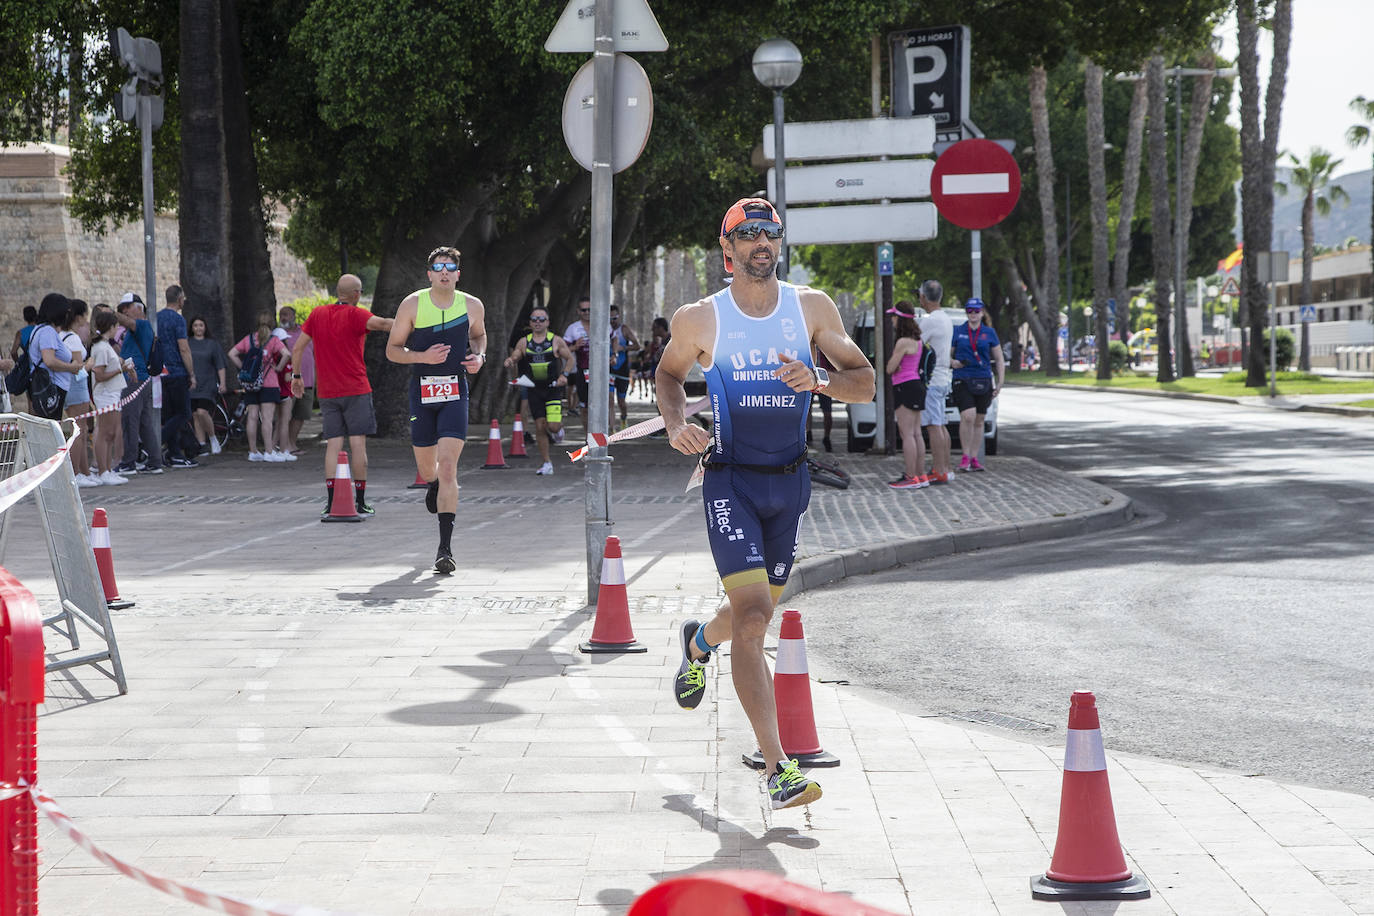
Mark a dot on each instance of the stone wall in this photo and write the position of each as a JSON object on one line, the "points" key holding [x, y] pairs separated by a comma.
{"points": [[43, 248]]}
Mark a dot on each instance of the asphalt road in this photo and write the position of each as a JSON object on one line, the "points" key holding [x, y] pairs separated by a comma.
{"points": [[1233, 624]]}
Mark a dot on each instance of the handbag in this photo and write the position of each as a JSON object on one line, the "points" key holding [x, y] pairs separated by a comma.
{"points": [[978, 386]]}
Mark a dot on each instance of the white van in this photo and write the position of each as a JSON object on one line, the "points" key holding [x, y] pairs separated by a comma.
{"points": [[863, 418]]}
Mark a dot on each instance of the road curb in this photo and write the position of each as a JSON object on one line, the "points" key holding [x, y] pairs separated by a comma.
{"points": [[813, 572], [1189, 396]]}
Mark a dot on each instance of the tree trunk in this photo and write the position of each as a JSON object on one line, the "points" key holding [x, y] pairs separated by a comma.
{"points": [[1161, 221], [1130, 188], [1187, 177], [1258, 151], [1097, 192], [203, 199], [1047, 301], [1308, 206]]}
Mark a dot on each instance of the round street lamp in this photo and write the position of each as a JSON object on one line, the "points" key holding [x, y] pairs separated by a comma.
{"points": [[777, 64]]}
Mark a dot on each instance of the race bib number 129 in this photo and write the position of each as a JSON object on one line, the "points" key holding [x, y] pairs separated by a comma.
{"points": [[439, 389]]}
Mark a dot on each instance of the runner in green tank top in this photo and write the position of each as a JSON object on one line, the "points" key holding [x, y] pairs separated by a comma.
{"points": [[441, 334]]}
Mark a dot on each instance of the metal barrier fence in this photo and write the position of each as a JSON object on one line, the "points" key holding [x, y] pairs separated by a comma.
{"points": [[21, 691], [26, 442]]}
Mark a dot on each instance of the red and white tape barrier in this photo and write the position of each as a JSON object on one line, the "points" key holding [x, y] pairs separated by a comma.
{"points": [[118, 405], [639, 430], [220, 903], [13, 489]]}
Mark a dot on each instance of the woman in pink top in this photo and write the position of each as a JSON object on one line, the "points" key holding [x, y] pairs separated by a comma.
{"points": [[910, 366], [259, 358]]}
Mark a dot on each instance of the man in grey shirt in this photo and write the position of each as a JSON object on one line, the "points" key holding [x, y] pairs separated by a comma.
{"points": [[937, 332]]}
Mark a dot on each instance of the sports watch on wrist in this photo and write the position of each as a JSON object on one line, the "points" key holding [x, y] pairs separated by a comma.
{"points": [[822, 379]]}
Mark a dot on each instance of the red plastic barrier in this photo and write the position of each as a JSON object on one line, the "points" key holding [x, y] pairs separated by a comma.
{"points": [[21, 690], [744, 893]]}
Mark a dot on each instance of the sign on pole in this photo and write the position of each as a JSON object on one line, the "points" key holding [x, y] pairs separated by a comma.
{"points": [[1308, 313], [930, 75], [849, 139], [885, 259], [633, 101], [636, 28], [839, 225], [975, 184], [877, 179]]}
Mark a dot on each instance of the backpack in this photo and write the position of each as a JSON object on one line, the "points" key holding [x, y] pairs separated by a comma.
{"points": [[250, 376], [153, 358], [17, 379]]}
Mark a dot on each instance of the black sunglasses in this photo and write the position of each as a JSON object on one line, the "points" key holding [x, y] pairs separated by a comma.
{"points": [[750, 232], [439, 267], [536, 318]]}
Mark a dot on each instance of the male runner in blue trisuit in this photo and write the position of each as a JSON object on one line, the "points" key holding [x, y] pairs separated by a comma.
{"points": [[433, 332], [754, 341]]}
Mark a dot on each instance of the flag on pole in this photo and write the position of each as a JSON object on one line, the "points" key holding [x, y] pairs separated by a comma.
{"points": [[1227, 264]]}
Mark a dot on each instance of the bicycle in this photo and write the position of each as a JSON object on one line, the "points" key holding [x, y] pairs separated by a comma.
{"points": [[228, 423]]}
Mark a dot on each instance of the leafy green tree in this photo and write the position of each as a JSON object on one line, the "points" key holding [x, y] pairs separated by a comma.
{"points": [[1358, 135], [1312, 176]]}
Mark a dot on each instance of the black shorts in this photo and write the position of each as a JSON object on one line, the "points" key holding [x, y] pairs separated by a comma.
{"points": [[581, 379], [910, 394], [752, 520], [204, 404], [352, 415], [545, 403], [262, 396], [964, 399], [431, 422], [621, 383]]}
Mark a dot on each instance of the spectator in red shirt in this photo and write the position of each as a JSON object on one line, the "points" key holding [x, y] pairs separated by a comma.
{"points": [[338, 331]]}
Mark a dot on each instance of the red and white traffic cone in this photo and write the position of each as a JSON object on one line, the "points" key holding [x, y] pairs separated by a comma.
{"points": [[1088, 863], [792, 695], [420, 482], [343, 507], [104, 560], [495, 458], [612, 631], [517, 440]]}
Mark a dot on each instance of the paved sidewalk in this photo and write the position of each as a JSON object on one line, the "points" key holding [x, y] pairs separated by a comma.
{"points": [[314, 716]]}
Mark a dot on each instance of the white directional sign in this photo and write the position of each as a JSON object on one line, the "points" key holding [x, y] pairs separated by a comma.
{"points": [[636, 28], [893, 179], [904, 222], [850, 139]]}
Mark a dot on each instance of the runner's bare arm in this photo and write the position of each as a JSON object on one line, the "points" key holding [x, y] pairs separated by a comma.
{"points": [[852, 378], [298, 357], [691, 326], [561, 350], [401, 327], [516, 352], [477, 336]]}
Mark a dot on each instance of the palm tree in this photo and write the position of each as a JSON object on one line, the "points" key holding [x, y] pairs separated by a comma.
{"points": [[1358, 136], [1312, 177]]}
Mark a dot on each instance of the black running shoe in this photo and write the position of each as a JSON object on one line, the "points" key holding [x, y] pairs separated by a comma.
{"points": [[443, 561], [432, 497], [690, 684], [364, 509], [788, 787]]}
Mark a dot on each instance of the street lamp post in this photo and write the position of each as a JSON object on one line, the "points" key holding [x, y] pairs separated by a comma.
{"points": [[777, 64]]}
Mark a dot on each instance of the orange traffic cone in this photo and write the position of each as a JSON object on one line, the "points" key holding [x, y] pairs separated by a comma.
{"points": [[495, 459], [104, 560], [517, 440], [792, 694], [612, 631], [420, 482], [1088, 863], [343, 508]]}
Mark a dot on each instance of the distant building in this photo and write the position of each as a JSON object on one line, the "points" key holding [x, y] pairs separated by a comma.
{"points": [[44, 249], [1342, 284]]}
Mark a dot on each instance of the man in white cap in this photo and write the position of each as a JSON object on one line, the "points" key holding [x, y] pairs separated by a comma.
{"points": [[138, 417]]}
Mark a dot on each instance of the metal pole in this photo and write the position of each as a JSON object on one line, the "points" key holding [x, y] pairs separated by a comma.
{"points": [[597, 498], [883, 343], [1068, 270], [1273, 332], [145, 119], [1180, 298], [780, 164], [976, 262]]}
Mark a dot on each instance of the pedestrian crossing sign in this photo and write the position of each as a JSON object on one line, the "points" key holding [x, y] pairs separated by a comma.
{"points": [[1230, 287]]}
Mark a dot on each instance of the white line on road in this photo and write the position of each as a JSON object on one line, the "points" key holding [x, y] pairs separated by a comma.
{"points": [[215, 553]]}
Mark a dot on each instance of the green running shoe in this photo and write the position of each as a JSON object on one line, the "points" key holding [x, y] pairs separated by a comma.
{"points": [[788, 787], [690, 684]]}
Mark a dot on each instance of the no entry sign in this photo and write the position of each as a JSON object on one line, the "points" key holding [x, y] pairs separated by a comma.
{"points": [[975, 184]]}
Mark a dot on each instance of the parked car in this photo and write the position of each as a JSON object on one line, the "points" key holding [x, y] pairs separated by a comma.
{"points": [[863, 418]]}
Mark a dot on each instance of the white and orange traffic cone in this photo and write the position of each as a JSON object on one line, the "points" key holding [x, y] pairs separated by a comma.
{"points": [[420, 482], [343, 507], [792, 695], [495, 458], [517, 440], [104, 560], [1088, 863], [612, 631]]}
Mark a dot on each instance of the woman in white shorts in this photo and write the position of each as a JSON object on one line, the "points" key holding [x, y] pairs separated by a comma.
{"points": [[107, 369], [73, 336]]}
